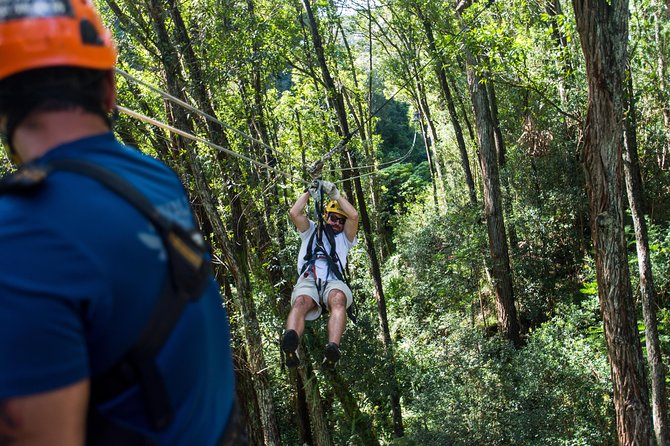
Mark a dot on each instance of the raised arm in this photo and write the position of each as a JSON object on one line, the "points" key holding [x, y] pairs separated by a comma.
{"points": [[351, 225], [297, 213]]}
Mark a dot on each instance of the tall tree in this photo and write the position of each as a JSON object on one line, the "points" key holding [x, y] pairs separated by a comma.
{"points": [[337, 101], [661, 15], [440, 72], [634, 189], [501, 149], [603, 30], [495, 222], [401, 43], [172, 45]]}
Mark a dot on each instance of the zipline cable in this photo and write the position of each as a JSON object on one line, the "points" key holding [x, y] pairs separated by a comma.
{"points": [[162, 125], [193, 109], [379, 169], [189, 107], [380, 165], [187, 135]]}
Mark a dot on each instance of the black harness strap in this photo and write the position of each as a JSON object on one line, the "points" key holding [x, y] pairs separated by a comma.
{"points": [[187, 279]]}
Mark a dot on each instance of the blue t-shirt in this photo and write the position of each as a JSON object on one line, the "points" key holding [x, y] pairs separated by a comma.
{"points": [[80, 272]]}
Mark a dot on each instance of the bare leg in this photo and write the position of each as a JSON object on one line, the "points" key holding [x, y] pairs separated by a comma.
{"points": [[296, 317], [337, 302], [295, 325]]}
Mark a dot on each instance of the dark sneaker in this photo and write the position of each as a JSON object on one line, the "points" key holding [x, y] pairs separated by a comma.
{"points": [[289, 345], [331, 356]]}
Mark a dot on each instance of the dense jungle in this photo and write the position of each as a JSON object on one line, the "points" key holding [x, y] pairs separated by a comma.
{"points": [[509, 162]]}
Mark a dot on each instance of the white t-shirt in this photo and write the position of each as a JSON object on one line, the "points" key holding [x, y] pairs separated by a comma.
{"points": [[342, 247]]}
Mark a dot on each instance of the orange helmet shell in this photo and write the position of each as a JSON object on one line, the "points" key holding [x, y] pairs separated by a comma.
{"points": [[46, 33]]}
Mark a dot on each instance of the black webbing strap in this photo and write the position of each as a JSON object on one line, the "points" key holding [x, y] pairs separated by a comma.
{"points": [[187, 279], [102, 431], [335, 264]]}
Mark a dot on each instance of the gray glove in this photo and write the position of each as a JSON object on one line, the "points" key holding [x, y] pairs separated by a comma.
{"points": [[313, 188], [330, 189]]}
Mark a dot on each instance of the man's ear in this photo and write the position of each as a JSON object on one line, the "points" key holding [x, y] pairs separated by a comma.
{"points": [[109, 83]]}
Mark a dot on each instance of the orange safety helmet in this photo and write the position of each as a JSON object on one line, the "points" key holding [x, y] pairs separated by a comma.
{"points": [[47, 33], [333, 207]]}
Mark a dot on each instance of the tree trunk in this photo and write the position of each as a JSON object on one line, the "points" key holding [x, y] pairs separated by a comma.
{"points": [[302, 411], [320, 429], [360, 423], [366, 131], [431, 131], [429, 154], [451, 107], [553, 9], [337, 101], [662, 87], [307, 403], [375, 269], [410, 76], [238, 249], [246, 394], [634, 188], [501, 149], [488, 162], [334, 97], [603, 29]]}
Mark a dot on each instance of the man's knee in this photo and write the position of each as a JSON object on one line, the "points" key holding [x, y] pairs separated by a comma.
{"points": [[337, 300], [304, 304]]}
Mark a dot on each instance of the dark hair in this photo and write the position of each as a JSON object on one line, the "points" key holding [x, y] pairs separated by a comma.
{"points": [[51, 89]]}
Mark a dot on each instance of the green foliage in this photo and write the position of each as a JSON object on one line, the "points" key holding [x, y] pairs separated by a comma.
{"points": [[440, 253], [461, 384], [401, 184], [464, 386], [466, 389], [396, 134], [659, 247]]}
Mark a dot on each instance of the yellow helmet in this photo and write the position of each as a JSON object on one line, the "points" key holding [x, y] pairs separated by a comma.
{"points": [[333, 207]]}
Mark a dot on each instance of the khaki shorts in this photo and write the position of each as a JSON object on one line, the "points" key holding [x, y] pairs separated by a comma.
{"points": [[306, 286]]}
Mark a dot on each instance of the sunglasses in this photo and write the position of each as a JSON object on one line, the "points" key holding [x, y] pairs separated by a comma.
{"points": [[335, 219]]}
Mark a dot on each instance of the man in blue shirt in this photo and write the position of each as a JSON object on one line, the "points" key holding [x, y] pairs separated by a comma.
{"points": [[82, 270]]}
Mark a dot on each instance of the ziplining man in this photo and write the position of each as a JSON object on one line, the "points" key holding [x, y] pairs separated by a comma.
{"points": [[112, 326], [322, 261]]}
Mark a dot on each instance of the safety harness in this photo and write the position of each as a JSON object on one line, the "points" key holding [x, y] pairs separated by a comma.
{"points": [[188, 276], [316, 250]]}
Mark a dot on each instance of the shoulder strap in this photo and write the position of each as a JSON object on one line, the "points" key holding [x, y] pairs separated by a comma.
{"points": [[310, 245], [186, 248]]}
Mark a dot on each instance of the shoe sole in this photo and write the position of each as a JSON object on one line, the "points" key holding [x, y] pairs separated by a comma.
{"points": [[330, 357], [289, 346]]}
